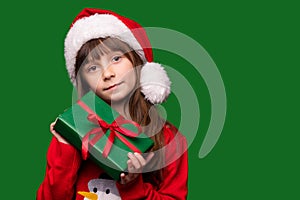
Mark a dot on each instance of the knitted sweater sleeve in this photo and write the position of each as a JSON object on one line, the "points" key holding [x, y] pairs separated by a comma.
{"points": [[175, 174], [63, 162]]}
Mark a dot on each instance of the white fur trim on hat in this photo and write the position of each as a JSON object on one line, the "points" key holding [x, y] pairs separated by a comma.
{"points": [[155, 83], [95, 26]]}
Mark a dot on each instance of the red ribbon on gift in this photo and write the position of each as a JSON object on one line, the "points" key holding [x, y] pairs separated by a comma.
{"points": [[116, 130]]}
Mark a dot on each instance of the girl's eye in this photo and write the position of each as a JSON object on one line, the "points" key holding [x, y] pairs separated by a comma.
{"points": [[93, 68], [116, 58]]}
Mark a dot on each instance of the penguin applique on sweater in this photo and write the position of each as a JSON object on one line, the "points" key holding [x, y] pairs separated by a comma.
{"points": [[102, 188]]}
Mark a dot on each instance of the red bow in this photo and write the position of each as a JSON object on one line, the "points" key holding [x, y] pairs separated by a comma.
{"points": [[116, 130]]}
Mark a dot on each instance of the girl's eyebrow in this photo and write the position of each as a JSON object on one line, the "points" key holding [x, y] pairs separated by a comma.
{"points": [[115, 52], [92, 62]]}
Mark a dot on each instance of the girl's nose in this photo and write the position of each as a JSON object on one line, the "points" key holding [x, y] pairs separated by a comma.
{"points": [[108, 73]]}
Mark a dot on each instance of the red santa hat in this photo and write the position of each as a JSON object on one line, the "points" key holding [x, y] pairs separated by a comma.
{"points": [[94, 23]]}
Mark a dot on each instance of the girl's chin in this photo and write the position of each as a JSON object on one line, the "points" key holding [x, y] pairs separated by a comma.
{"points": [[115, 98], [119, 99]]}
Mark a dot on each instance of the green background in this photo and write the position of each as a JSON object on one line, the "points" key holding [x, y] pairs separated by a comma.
{"points": [[255, 45]]}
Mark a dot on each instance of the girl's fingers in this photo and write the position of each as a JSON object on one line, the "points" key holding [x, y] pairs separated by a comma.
{"points": [[130, 166], [52, 126], [140, 159], [126, 178], [134, 161], [57, 135], [137, 161], [122, 178], [135, 165]]}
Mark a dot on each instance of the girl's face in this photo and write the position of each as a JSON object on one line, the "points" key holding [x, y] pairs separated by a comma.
{"points": [[112, 77]]}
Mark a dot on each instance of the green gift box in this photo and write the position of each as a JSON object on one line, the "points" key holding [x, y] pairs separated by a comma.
{"points": [[101, 133]]}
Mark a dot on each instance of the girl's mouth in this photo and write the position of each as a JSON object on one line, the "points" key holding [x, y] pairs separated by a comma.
{"points": [[112, 86]]}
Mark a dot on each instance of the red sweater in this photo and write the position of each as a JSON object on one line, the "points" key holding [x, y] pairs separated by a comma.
{"points": [[66, 173]]}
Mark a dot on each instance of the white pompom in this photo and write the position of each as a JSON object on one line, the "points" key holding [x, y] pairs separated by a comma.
{"points": [[155, 83]]}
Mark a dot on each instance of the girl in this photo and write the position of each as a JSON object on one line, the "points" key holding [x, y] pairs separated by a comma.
{"points": [[112, 56]]}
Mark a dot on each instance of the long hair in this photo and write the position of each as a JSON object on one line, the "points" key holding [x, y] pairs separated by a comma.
{"points": [[140, 110]]}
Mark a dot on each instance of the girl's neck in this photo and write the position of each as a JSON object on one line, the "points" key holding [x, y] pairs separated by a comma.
{"points": [[122, 108]]}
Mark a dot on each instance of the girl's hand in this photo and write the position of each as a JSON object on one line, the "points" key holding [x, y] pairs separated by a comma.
{"points": [[58, 137], [135, 166]]}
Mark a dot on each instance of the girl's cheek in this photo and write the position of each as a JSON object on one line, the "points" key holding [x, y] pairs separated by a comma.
{"points": [[94, 79], [92, 84]]}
